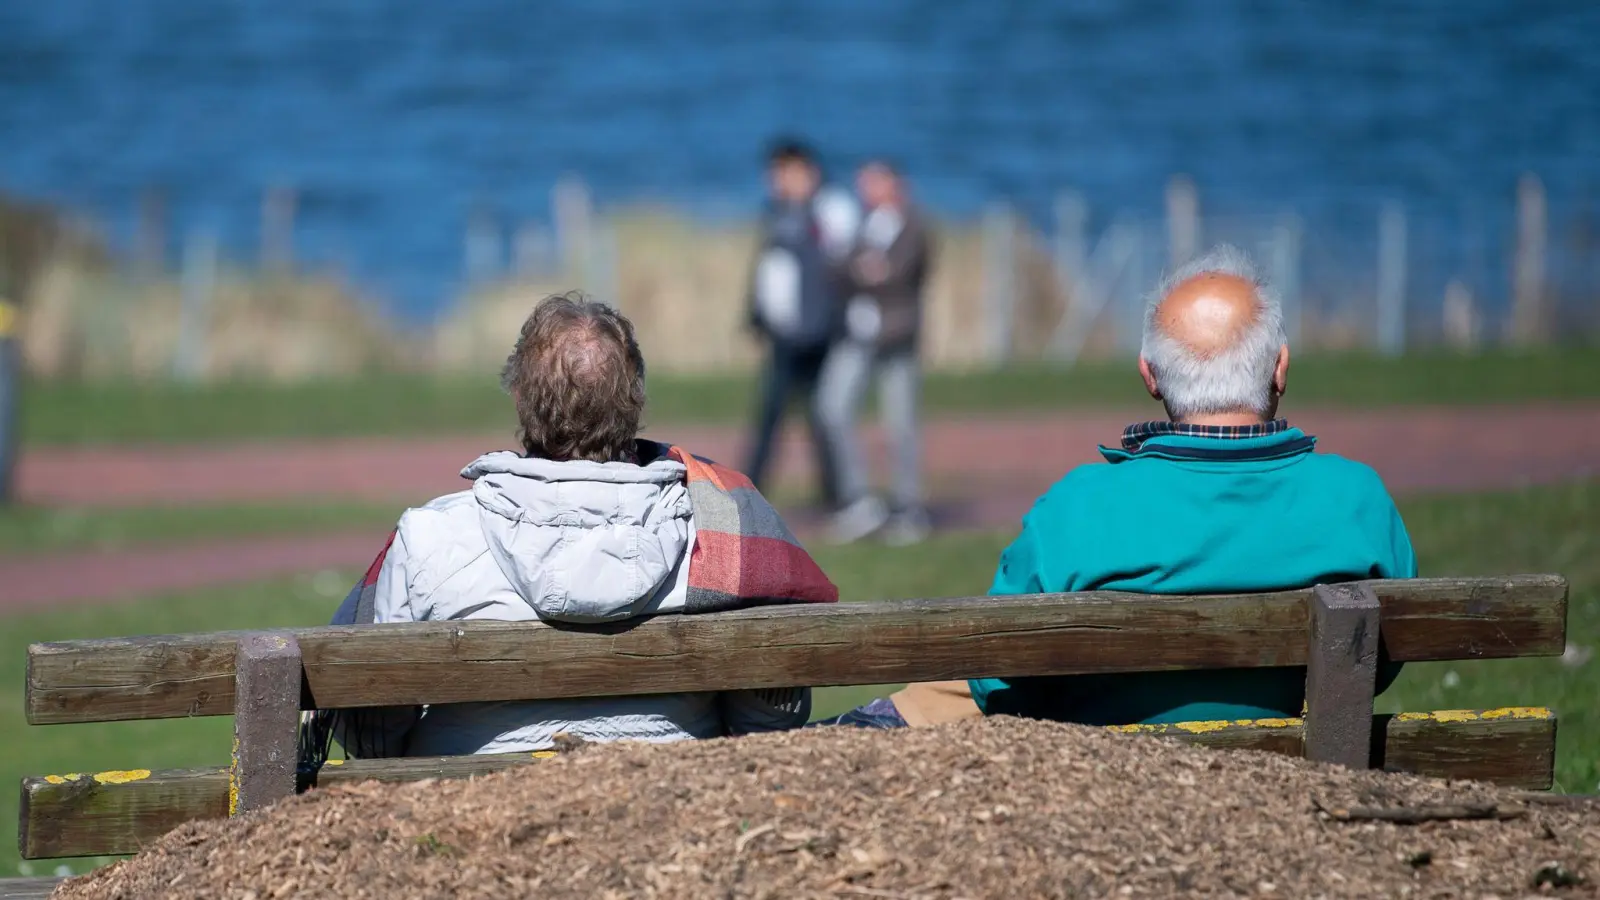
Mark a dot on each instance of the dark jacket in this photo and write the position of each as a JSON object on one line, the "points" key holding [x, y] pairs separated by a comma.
{"points": [[809, 244], [898, 296]]}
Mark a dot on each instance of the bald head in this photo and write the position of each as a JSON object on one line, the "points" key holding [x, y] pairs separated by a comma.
{"points": [[1209, 312], [1213, 341]]}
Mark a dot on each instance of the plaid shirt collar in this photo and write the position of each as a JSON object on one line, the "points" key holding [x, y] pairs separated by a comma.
{"points": [[1134, 436]]}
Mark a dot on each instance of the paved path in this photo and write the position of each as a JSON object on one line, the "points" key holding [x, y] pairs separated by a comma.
{"points": [[986, 471]]}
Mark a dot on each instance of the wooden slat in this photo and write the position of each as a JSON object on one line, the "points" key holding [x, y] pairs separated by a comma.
{"points": [[114, 812], [1515, 747], [87, 816], [28, 888], [851, 643]]}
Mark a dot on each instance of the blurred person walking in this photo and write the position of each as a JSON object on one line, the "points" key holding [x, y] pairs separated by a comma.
{"points": [[888, 268], [795, 300]]}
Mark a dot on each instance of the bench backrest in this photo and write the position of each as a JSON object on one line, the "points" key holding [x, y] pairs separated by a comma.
{"points": [[1334, 632]]}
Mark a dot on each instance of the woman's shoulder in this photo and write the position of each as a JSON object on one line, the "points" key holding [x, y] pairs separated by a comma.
{"points": [[447, 523]]}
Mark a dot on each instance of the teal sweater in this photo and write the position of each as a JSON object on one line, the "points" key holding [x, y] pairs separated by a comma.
{"points": [[1190, 515]]}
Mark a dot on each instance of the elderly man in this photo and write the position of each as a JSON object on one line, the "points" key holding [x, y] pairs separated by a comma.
{"points": [[1221, 496], [586, 523]]}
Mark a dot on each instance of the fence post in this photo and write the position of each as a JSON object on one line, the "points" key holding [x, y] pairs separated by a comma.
{"points": [[1130, 328], [531, 251], [999, 282], [194, 326], [1069, 254], [603, 266], [266, 721], [150, 240], [573, 212], [277, 229], [10, 399], [1183, 220], [1529, 318], [1285, 258], [1341, 674], [1392, 279], [1460, 316], [1071, 246]]}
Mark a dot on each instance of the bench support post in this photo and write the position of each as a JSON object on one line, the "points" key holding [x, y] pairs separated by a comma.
{"points": [[266, 721], [1341, 675]]}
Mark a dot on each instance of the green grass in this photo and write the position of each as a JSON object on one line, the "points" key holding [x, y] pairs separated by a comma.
{"points": [[1540, 530], [1552, 529], [27, 529], [77, 413]]}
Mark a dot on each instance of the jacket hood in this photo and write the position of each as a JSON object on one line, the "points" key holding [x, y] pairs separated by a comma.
{"points": [[583, 541]]}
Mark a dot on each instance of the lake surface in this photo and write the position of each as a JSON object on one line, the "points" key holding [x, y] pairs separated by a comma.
{"points": [[394, 119]]}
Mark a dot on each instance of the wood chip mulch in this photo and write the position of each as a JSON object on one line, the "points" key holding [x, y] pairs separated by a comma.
{"points": [[994, 808]]}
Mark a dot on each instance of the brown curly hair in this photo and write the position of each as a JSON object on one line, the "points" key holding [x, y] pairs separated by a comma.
{"points": [[577, 378]]}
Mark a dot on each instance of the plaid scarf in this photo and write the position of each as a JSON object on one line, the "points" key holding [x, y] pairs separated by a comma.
{"points": [[744, 554], [1134, 436]]}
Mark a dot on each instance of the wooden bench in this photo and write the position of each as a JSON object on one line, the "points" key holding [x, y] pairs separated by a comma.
{"points": [[266, 678]]}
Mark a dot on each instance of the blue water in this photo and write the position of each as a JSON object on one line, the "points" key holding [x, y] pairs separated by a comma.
{"points": [[394, 119]]}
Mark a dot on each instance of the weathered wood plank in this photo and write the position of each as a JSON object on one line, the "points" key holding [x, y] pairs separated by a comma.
{"points": [[28, 888], [1342, 675], [266, 725], [854, 643], [92, 815], [1515, 747], [114, 812], [1473, 618]]}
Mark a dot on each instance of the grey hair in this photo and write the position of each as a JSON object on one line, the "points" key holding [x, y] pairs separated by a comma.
{"points": [[1237, 379]]}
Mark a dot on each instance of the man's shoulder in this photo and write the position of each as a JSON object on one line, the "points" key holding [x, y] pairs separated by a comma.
{"points": [[1081, 486], [1347, 473]]}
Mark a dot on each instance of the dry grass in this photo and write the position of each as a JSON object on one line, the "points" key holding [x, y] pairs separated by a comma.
{"points": [[683, 283], [86, 323], [684, 286]]}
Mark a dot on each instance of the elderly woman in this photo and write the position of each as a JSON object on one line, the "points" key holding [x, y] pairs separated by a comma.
{"points": [[587, 524]]}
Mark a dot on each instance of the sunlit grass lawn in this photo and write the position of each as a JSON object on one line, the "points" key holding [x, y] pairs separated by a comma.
{"points": [[27, 530], [1541, 530], [101, 412]]}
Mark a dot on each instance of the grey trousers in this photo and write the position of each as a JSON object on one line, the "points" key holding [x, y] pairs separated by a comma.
{"points": [[840, 390]]}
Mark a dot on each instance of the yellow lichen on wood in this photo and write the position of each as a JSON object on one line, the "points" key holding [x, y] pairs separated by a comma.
{"points": [[115, 776], [233, 779], [1470, 715], [122, 776], [1205, 727]]}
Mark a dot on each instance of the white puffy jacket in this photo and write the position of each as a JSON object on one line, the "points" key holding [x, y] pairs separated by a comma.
{"points": [[563, 541]]}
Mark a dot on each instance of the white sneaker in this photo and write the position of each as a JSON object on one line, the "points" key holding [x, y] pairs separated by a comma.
{"points": [[858, 520], [907, 528]]}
